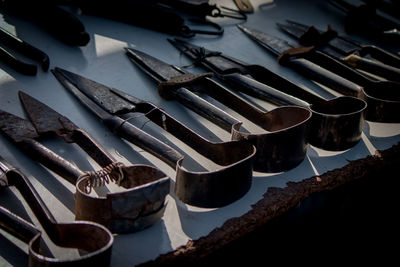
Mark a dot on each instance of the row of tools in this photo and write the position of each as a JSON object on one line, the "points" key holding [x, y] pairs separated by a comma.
{"points": [[301, 118]]}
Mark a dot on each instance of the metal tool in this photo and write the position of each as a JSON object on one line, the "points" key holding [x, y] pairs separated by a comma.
{"points": [[364, 20], [335, 124], [391, 7], [281, 146], [139, 206], [18, 45], [383, 97], [93, 240], [344, 51], [205, 189], [58, 22]]}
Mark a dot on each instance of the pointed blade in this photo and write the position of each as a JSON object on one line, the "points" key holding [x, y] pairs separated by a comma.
{"points": [[292, 30], [16, 128], [339, 44], [157, 69], [45, 119], [274, 44], [95, 96]]}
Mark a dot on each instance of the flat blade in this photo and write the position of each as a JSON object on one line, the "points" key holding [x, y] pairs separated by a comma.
{"points": [[16, 128], [292, 30], [339, 44], [95, 96], [272, 43], [157, 69], [214, 61], [45, 119]]}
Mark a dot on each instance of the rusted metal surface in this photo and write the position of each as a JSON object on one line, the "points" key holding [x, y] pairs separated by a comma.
{"points": [[139, 180], [93, 239], [205, 189], [382, 97], [335, 124], [283, 144]]}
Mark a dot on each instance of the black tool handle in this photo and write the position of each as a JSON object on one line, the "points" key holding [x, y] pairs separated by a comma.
{"points": [[92, 147], [25, 48], [374, 67], [324, 76], [143, 140], [51, 160], [381, 55], [17, 65], [260, 90]]}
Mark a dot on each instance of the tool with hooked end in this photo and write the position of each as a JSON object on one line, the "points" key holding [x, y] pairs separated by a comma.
{"points": [[335, 124], [140, 205], [24, 48], [208, 189], [382, 97], [345, 51], [282, 144], [93, 240]]}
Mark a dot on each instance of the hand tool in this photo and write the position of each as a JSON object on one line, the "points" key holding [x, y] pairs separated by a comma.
{"points": [[383, 97], [207, 189], [335, 124], [280, 146], [344, 51], [391, 7], [24, 48], [364, 20], [58, 22], [93, 240], [139, 205]]}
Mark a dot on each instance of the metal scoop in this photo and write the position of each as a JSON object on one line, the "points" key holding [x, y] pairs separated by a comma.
{"points": [[139, 206], [335, 124], [91, 238], [205, 189], [383, 98], [282, 146]]}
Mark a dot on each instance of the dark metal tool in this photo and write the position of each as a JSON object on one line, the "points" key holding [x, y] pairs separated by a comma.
{"points": [[58, 22], [363, 19], [15, 44], [345, 51], [391, 7], [150, 14], [205, 189], [382, 97], [335, 124], [139, 206], [93, 240], [282, 145]]}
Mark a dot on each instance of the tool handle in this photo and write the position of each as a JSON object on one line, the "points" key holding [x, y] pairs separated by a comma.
{"points": [[17, 65], [92, 147], [205, 109], [51, 160], [260, 90], [339, 68], [381, 55], [25, 48], [374, 67], [17, 226], [21, 182], [324, 76], [143, 140]]}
